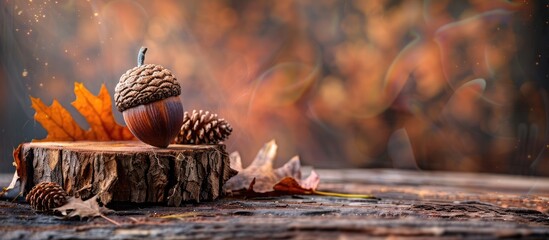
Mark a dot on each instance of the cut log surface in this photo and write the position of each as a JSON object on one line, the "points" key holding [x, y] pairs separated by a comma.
{"points": [[130, 171], [411, 204]]}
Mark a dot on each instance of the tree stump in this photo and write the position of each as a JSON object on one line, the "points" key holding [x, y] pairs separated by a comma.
{"points": [[129, 171]]}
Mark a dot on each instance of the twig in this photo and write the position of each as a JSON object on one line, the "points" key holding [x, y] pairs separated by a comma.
{"points": [[109, 219]]}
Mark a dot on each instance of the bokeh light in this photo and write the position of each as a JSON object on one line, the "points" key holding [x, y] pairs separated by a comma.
{"points": [[431, 85]]}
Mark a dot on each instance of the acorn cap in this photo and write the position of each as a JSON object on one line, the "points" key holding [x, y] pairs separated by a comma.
{"points": [[143, 85]]}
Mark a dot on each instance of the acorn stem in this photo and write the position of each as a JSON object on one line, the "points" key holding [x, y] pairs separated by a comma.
{"points": [[141, 56]]}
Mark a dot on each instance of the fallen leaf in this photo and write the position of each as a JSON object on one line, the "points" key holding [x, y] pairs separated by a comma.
{"points": [[235, 161], [90, 208], [261, 170], [291, 186], [260, 179], [20, 167], [76, 207], [13, 190], [311, 182], [97, 110], [19, 177]]}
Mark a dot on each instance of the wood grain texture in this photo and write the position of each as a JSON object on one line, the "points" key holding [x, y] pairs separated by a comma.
{"points": [[415, 204], [130, 171]]}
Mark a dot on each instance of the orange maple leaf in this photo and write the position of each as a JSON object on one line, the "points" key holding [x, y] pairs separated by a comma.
{"points": [[97, 110], [57, 121]]}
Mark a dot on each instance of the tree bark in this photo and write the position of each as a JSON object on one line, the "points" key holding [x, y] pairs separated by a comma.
{"points": [[129, 171]]}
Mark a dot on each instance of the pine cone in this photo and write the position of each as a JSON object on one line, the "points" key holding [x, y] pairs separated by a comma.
{"points": [[203, 127], [46, 196]]}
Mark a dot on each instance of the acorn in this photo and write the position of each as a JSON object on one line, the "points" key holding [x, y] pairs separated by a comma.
{"points": [[148, 97]]}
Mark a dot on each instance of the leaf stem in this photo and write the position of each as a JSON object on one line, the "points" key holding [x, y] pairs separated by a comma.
{"points": [[18, 195], [141, 56], [344, 195], [110, 220]]}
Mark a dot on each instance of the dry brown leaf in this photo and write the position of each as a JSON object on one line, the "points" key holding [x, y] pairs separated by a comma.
{"points": [[97, 110], [260, 177], [76, 207], [13, 190], [90, 208], [20, 166], [289, 185], [19, 177]]}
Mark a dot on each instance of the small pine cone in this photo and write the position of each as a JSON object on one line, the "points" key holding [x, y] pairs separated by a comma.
{"points": [[203, 127], [46, 196]]}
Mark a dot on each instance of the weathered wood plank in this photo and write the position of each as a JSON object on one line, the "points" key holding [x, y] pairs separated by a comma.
{"points": [[507, 183], [437, 205]]}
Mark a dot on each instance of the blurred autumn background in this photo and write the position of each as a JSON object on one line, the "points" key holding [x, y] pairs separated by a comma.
{"points": [[429, 85]]}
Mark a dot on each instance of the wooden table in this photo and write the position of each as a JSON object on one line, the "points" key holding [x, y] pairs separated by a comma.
{"points": [[412, 204]]}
